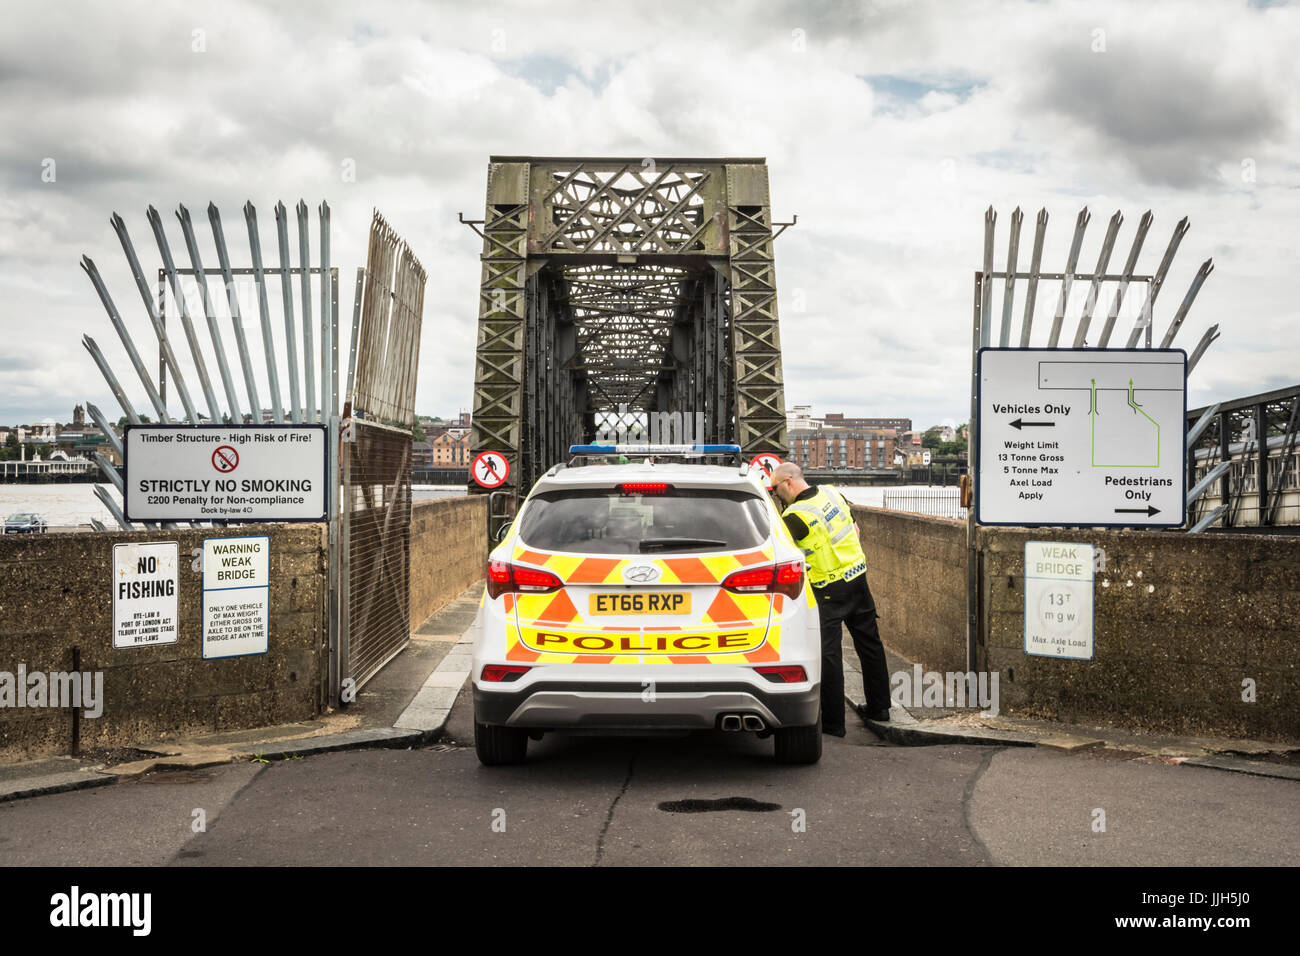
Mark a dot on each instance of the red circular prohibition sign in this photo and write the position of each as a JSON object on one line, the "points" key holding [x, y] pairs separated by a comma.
{"points": [[225, 459], [495, 469]]}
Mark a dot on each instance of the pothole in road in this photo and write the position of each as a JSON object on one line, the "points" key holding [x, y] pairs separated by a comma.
{"points": [[746, 804]]}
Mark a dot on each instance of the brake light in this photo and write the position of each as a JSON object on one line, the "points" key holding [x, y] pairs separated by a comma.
{"points": [[503, 577], [786, 578], [789, 579], [503, 673], [644, 488], [536, 581], [498, 578], [784, 674], [750, 580]]}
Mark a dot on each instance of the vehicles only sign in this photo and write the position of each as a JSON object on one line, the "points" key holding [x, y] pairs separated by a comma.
{"points": [[144, 594], [236, 596], [225, 472], [1086, 437]]}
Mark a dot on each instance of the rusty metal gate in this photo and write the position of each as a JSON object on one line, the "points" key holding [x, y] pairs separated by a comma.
{"points": [[375, 463], [376, 546]]}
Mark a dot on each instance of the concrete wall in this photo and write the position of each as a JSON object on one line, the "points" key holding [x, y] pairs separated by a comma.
{"points": [[449, 549], [1179, 623], [916, 568], [56, 595]]}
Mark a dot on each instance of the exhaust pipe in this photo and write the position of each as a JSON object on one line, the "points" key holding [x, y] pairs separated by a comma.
{"points": [[752, 722], [731, 722]]}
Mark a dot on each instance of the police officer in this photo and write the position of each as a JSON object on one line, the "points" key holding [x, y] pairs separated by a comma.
{"points": [[822, 525]]}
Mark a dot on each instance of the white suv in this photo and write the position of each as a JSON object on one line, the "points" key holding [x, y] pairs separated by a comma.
{"points": [[647, 597]]}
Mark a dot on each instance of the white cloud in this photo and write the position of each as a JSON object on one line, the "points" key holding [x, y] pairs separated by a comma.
{"points": [[888, 127]]}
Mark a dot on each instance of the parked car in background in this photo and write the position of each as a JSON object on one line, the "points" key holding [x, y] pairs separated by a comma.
{"points": [[24, 523]]}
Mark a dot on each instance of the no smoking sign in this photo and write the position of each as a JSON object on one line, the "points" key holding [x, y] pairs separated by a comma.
{"points": [[225, 459], [238, 473]]}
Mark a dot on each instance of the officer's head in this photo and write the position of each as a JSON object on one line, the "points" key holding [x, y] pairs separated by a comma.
{"points": [[787, 481]]}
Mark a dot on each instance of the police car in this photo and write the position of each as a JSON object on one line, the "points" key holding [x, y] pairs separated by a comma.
{"points": [[648, 596]]}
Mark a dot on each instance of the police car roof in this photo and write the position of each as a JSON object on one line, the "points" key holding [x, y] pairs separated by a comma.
{"points": [[674, 473]]}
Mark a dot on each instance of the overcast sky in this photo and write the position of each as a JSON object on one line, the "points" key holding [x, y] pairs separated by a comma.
{"points": [[888, 127]]}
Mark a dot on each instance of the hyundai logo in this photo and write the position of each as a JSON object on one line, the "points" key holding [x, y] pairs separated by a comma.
{"points": [[641, 574]]}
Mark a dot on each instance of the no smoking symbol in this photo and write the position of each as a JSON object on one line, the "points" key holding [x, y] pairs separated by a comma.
{"points": [[225, 459]]}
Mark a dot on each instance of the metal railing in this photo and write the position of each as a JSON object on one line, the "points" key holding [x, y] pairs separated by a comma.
{"points": [[935, 502]]}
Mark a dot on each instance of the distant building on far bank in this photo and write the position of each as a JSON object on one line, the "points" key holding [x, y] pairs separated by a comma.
{"points": [[451, 448], [837, 441]]}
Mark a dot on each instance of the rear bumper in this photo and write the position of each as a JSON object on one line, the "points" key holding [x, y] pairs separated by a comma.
{"points": [[673, 705]]}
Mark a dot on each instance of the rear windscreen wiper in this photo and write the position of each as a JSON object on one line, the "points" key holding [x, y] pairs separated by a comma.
{"points": [[649, 544]]}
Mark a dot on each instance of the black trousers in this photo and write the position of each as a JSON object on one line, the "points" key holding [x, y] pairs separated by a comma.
{"points": [[850, 603]]}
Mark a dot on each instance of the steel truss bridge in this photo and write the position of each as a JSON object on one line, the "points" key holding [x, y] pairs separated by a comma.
{"points": [[617, 289]]}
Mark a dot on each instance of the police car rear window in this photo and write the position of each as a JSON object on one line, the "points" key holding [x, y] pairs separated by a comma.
{"points": [[606, 521]]}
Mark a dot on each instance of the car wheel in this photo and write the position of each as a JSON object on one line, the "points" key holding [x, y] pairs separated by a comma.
{"points": [[497, 745], [799, 744]]}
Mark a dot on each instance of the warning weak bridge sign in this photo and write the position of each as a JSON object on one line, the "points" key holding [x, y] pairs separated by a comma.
{"points": [[225, 472]]}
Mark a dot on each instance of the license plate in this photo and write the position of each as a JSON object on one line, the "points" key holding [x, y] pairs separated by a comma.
{"points": [[640, 602]]}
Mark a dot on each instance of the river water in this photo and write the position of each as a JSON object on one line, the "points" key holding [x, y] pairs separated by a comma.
{"points": [[74, 505]]}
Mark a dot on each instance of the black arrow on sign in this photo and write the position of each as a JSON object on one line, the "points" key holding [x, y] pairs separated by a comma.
{"points": [[1018, 424], [1149, 510]]}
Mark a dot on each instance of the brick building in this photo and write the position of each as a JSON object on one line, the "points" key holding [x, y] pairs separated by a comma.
{"points": [[451, 449], [842, 448]]}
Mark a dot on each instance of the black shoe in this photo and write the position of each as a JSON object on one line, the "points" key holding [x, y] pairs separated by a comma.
{"points": [[881, 715], [834, 731]]}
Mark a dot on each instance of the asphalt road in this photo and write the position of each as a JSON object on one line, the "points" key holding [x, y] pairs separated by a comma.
{"points": [[703, 799]]}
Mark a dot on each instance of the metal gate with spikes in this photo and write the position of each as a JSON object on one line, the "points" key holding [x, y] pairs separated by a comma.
{"points": [[376, 456], [311, 366], [1140, 336]]}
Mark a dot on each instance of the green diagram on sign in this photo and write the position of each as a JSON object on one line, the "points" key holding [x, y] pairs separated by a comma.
{"points": [[1136, 409]]}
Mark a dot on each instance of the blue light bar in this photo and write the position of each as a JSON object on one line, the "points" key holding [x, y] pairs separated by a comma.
{"points": [[654, 449]]}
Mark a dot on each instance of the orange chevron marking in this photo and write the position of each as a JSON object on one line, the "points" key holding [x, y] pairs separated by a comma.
{"points": [[593, 571], [691, 571], [520, 653], [724, 609], [560, 609]]}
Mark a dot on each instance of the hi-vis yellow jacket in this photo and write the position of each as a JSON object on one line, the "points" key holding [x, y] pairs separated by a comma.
{"points": [[831, 545]]}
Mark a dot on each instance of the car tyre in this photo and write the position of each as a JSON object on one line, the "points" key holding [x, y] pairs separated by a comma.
{"points": [[799, 745], [499, 746]]}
